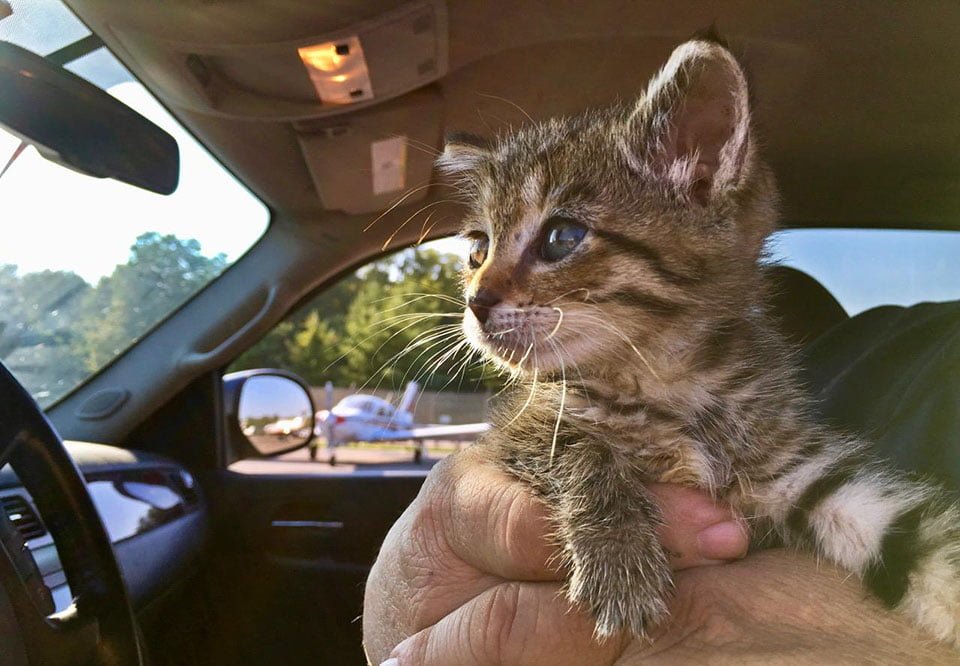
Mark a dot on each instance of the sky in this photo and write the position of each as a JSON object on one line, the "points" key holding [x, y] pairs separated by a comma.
{"points": [[272, 396]]}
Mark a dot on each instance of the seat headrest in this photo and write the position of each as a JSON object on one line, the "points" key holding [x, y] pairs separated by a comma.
{"points": [[804, 307]]}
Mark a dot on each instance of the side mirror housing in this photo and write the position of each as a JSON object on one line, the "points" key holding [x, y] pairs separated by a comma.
{"points": [[268, 412]]}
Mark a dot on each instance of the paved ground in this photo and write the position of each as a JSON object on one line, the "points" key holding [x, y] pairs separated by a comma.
{"points": [[350, 460]]}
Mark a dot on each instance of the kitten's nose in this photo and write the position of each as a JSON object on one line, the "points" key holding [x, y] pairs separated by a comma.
{"points": [[481, 303]]}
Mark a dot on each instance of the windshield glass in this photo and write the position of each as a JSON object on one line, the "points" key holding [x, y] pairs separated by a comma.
{"points": [[88, 265]]}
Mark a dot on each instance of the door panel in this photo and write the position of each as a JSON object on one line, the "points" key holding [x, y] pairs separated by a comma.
{"points": [[293, 553]]}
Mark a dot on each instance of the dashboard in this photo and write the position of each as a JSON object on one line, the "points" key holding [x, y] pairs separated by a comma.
{"points": [[152, 510]]}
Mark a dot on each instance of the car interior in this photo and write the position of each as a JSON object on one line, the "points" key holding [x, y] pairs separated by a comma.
{"points": [[331, 114]]}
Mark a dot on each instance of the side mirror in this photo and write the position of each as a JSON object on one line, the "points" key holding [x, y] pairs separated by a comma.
{"points": [[74, 123], [268, 412]]}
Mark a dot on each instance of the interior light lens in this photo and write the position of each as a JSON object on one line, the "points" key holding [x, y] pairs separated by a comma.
{"points": [[338, 70]]}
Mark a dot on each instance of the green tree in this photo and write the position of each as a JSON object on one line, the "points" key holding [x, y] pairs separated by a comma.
{"points": [[162, 273], [312, 349], [40, 316], [389, 322]]}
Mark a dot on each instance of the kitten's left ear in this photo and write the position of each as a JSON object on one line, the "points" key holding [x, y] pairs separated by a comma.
{"points": [[463, 152], [691, 128]]}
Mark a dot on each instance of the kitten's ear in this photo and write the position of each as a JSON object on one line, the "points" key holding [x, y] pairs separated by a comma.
{"points": [[691, 128], [462, 153]]}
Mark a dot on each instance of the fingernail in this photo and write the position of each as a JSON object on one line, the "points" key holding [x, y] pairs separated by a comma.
{"points": [[723, 541], [392, 661]]}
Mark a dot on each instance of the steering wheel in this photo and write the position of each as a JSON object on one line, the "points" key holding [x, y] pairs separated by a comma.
{"points": [[99, 626]]}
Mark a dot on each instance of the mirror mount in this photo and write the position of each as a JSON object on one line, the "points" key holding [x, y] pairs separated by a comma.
{"points": [[74, 123]]}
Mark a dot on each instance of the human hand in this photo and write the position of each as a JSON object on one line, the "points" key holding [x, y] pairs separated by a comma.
{"points": [[466, 576], [781, 607]]}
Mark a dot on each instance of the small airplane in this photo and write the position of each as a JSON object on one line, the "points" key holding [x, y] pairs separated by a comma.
{"points": [[286, 427], [367, 418]]}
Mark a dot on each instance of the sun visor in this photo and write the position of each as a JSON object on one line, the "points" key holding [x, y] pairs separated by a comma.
{"points": [[353, 67], [367, 161]]}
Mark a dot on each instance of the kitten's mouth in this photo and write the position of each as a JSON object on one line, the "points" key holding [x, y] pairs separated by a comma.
{"points": [[520, 339]]}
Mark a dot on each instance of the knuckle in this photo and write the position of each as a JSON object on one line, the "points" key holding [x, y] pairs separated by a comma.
{"points": [[520, 522]]}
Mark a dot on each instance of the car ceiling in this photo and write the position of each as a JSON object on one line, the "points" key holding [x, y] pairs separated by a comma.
{"points": [[855, 102]]}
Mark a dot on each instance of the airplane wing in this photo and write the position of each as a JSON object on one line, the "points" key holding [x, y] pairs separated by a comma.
{"points": [[461, 431], [452, 432]]}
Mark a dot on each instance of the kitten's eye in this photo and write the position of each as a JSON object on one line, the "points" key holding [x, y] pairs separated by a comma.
{"points": [[478, 251], [563, 234]]}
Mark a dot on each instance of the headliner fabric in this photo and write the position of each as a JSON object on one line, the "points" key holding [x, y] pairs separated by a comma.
{"points": [[892, 374]]}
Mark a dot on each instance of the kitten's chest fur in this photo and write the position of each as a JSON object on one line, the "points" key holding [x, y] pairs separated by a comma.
{"points": [[717, 427], [695, 444]]}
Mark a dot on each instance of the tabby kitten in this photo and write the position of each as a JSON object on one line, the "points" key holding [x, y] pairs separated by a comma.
{"points": [[615, 269]]}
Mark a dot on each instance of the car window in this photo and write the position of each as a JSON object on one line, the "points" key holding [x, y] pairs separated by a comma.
{"points": [[390, 323], [864, 268], [397, 320], [88, 266]]}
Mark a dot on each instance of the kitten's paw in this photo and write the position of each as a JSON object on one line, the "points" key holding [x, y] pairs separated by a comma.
{"points": [[622, 591], [933, 601], [932, 595]]}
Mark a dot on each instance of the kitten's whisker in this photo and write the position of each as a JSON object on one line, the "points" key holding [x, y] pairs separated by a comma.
{"points": [[567, 293], [419, 297], [511, 103], [434, 342], [576, 367], [424, 338], [416, 317], [500, 334], [429, 368], [423, 370], [432, 333], [557, 327], [451, 354], [526, 354], [361, 342], [423, 230], [563, 400], [460, 368], [533, 390], [613, 329], [395, 204], [419, 145], [406, 221]]}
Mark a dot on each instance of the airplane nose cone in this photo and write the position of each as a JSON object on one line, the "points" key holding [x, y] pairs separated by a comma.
{"points": [[481, 303]]}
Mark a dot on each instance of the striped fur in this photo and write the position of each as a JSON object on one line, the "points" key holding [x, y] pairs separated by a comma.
{"points": [[647, 354]]}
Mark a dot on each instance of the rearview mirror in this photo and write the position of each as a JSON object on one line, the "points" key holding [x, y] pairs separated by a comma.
{"points": [[74, 123], [270, 411]]}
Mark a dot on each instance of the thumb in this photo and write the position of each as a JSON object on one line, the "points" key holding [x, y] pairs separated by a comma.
{"points": [[696, 530], [526, 624]]}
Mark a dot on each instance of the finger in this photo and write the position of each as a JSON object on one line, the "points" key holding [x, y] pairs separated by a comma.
{"points": [[493, 522], [696, 530], [468, 529], [526, 624]]}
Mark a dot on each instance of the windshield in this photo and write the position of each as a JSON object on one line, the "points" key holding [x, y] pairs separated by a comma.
{"points": [[88, 266]]}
